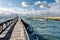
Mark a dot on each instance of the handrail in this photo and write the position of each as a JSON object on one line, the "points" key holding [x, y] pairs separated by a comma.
{"points": [[7, 24], [25, 30]]}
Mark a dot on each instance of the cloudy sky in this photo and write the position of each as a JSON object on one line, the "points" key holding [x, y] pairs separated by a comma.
{"points": [[28, 6]]}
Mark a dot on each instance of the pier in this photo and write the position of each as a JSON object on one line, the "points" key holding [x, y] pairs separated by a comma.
{"points": [[46, 18], [13, 29]]}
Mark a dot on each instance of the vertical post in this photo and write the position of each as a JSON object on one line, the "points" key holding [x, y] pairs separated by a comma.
{"points": [[10, 21], [7, 23], [1, 27]]}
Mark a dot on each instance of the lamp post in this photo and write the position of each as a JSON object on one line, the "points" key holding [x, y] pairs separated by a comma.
{"points": [[44, 7]]}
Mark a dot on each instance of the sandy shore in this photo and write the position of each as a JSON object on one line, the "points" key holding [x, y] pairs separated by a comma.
{"points": [[53, 18]]}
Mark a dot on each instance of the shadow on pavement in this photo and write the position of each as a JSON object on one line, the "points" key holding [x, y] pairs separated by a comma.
{"points": [[9, 33]]}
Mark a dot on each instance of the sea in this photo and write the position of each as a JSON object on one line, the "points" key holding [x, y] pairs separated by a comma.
{"points": [[42, 30], [6, 17], [48, 30]]}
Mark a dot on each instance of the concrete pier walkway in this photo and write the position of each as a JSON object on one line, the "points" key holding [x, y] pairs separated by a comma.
{"points": [[15, 32], [19, 32]]}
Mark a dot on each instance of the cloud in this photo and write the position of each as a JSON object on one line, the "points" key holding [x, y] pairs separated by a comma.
{"points": [[44, 3], [6, 10], [0, 2], [32, 9], [54, 8], [40, 3], [42, 7], [25, 4], [37, 3], [51, 8], [57, 0], [9, 4], [13, 10]]}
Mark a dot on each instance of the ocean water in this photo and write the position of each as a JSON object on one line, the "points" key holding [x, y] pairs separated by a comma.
{"points": [[6, 17], [49, 30]]}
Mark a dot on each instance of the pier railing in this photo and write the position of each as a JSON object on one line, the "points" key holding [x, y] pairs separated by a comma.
{"points": [[4, 25]]}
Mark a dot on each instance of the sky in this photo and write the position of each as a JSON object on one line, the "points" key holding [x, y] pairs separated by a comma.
{"points": [[30, 6]]}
